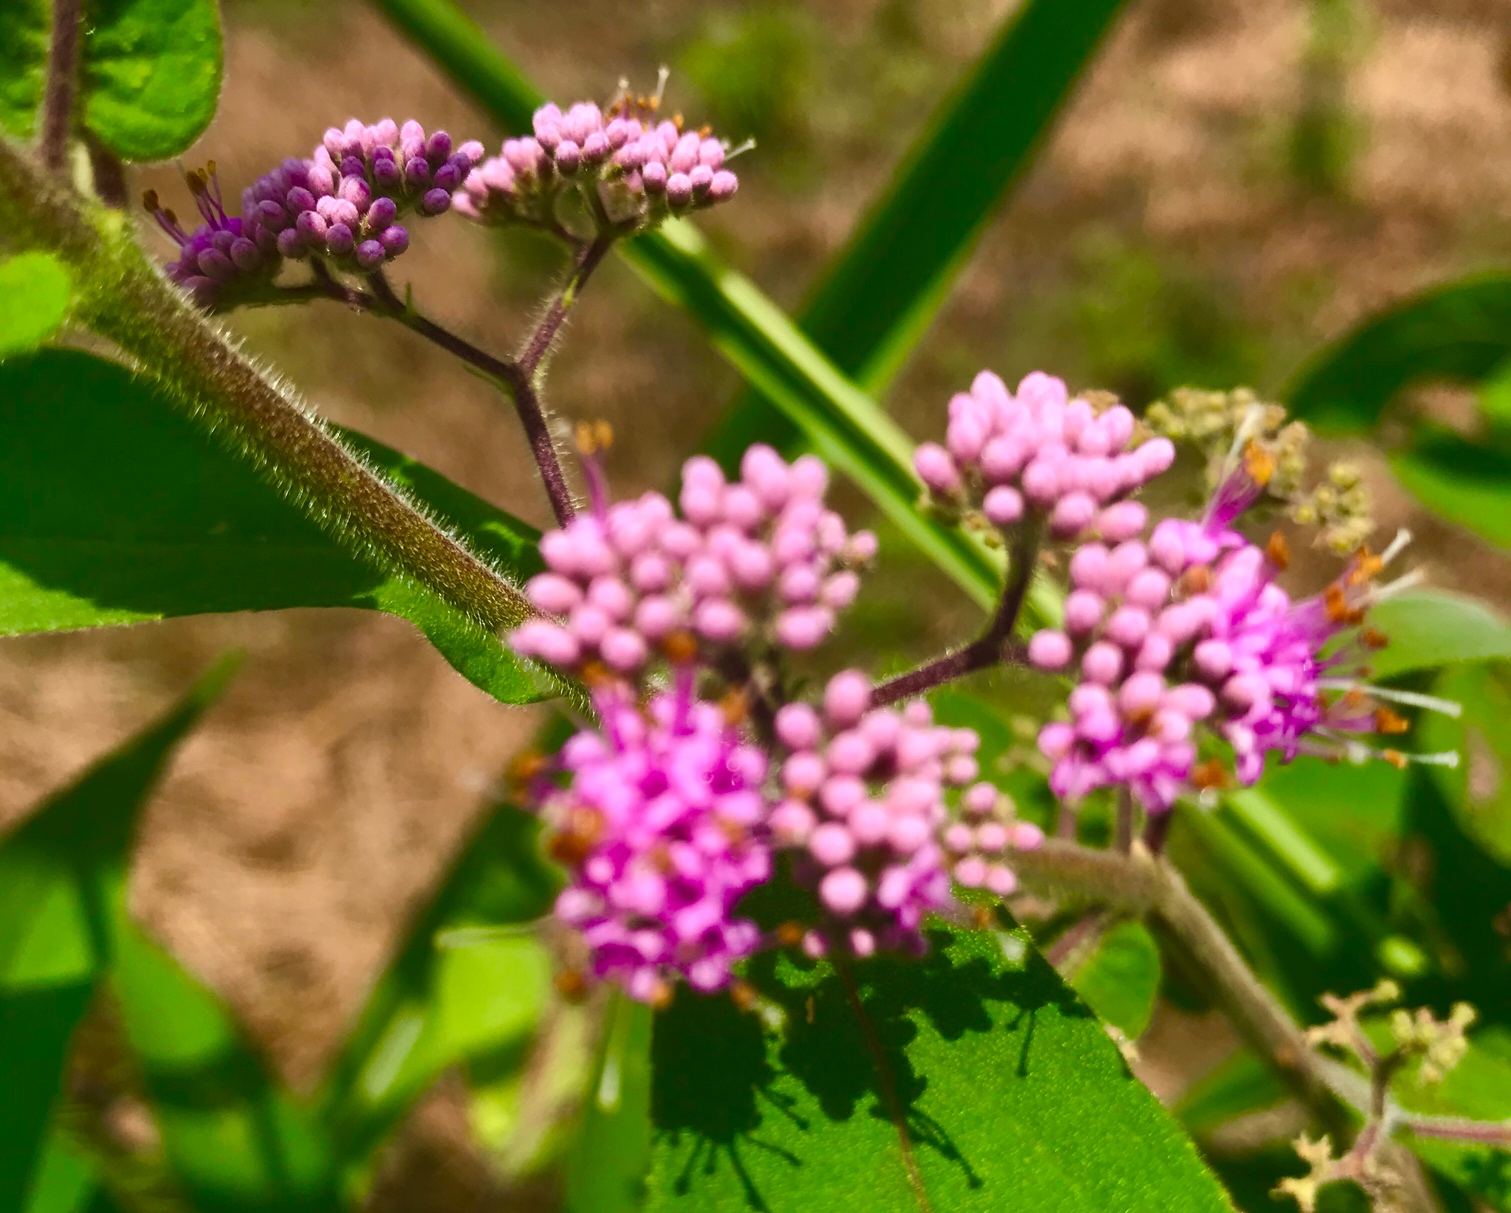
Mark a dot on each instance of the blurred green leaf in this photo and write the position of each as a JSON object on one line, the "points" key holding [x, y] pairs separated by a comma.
{"points": [[1432, 627], [1462, 481], [150, 71], [62, 885], [974, 1080], [1120, 978], [66, 1182], [113, 509], [607, 1167], [1461, 330], [879, 295], [1238, 1086], [1478, 790], [34, 289], [463, 988], [237, 1141]]}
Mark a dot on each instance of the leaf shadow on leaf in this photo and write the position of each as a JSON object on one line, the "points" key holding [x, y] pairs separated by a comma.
{"points": [[718, 1070]]}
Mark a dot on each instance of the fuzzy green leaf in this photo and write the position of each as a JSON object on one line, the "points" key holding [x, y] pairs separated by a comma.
{"points": [[150, 71], [113, 509], [62, 883], [974, 1080], [1430, 628], [34, 289], [1479, 789], [1465, 482]]}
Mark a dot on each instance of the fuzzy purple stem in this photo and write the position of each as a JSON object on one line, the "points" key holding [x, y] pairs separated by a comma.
{"points": [[1453, 1128], [549, 328], [383, 301], [62, 81], [990, 648]]}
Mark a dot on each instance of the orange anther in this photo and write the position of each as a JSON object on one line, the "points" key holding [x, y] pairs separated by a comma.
{"points": [[790, 934], [1278, 552], [680, 647], [743, 995], [1371, 638], [1258, 463], [1210, 774], [1387, 721], [1395, 758], [570, 984]]}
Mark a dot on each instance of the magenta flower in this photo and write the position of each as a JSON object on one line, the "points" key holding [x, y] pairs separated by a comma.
{"points": [[864, 804], [1193, 630], [662, 823], [1040, 453], [636, 169], [759, 562]]}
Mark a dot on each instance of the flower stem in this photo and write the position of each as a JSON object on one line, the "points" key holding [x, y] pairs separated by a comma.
{"points": [[544, 337], [62, 83], [382, 300], [992, 647]]}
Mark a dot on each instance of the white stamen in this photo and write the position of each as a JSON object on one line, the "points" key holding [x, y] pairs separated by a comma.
{"points": [[1402, 583], [1411, 698], [1403, 537], [739, 149], [663, 74], [1360, 753]]}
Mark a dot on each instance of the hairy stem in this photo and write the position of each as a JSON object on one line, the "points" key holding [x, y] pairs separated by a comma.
{"points": [[62, 83], [992, 646], [544, 337], [109, 173], [124, 298]]}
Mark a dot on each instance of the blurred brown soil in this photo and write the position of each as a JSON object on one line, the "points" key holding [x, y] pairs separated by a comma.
{"points": [[315, 808]]}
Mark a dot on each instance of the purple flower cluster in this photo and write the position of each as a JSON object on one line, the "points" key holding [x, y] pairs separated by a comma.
{"points": [[864, 804], [1039, 452], [1192, 628], [340, 206], [759, 562], [639, 169], [661, 827]]}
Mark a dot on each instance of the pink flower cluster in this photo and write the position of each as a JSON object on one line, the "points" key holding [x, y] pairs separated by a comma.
{"points": [[641, 169], [1039, 452], [341, 206], [1193, 629], [662, 828], [864, 801], [759, 562], [978, 843]]}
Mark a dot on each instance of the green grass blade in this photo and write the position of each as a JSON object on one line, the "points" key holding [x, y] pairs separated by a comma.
{"points": [[886, 287], [62, 881]]}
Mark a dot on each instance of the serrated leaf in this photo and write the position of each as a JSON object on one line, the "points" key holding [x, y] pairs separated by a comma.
{"points": [[879, 295], [62, 881], [149, 71], [151, 74], [973, 1080], [1119, 978], [113, 509], [34, 289], [1461, 330]]}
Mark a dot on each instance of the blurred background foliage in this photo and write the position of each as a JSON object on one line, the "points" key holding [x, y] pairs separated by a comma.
{"points": [[1238, 193]]}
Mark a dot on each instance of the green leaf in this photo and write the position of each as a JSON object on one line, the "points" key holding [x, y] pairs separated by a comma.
{"points": [[1240, 1085], [1120, 978], [1430, 628], [113, 509], [463, 988], [1461, 330], [883, 290], [151, 74], [67, 1182], [1465, 482], [23, 64], [1478, 790], [237, 1141], [149, 78], [34, 289], [62, 881], [607, 1167], [974, 1080]]}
